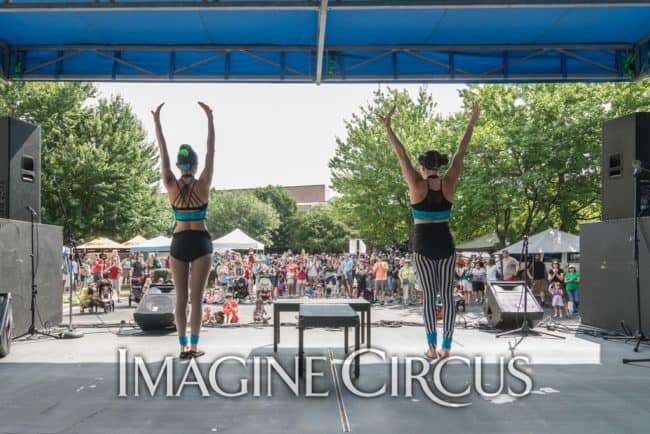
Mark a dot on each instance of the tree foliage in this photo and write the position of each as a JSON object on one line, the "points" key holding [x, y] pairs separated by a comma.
{"points": [[285, 206], [317, 230], [374, 197], [98, 153], [231, 210], [533, 163]]}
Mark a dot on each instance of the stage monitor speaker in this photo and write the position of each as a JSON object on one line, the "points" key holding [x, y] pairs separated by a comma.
{"points": [[6, 324], [504, 305], [625, 140], [155, 311], [20, 169]]}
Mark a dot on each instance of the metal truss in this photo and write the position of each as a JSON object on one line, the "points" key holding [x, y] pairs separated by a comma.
{"points": [[337, 64], [98, 5]]}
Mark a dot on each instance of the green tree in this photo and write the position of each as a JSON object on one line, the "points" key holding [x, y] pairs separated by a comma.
{"points": [[535, 159], [374, 197], [231, 210], [106, 170], [318, 230], [286, 208]]}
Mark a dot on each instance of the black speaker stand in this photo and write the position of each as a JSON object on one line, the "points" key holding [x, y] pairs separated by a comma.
{"points": [[525, 330], [640, 335], [33, 331]]}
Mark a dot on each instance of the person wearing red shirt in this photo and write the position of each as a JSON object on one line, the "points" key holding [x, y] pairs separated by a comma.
{"points": [[230, 310], [114, 275], [98, 268]]}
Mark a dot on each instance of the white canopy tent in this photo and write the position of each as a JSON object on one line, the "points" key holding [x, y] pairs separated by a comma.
{"points": [[158, 244], [549, 241], [237, 240]]}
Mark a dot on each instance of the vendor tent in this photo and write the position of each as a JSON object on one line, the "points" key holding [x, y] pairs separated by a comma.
{"points": [[322, 41], [101, 245], [237, 240], [482, 243], [158, 244], [134, 241], [549, 241]]}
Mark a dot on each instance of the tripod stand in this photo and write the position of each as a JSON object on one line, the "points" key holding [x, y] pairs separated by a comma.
{"points": [[525, 329], [32, 327]]}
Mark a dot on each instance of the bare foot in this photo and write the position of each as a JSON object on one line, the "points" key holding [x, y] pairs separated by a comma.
{"points": [[443, 353]]}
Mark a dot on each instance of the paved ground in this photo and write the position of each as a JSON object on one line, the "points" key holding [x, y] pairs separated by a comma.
{"points": [[71, 386]]}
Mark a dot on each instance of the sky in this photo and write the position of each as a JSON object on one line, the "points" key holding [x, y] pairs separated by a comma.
{"points": [[265, 133]]}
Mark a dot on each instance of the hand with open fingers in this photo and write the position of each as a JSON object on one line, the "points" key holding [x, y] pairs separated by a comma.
{"points": [[206, 108]]}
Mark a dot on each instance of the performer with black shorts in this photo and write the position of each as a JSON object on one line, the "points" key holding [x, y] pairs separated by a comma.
{"points": [[433, 245], [191, 248]]}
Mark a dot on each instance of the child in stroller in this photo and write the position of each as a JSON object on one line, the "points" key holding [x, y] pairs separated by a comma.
{"points": [[105, 295]]}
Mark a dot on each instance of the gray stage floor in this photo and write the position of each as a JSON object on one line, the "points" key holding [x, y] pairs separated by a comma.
{"points": [[72, 386]]}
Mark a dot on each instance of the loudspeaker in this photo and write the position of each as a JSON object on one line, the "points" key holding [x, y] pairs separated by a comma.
{"points": [[6, 324], [16, 272], [20, 169], [625, 140], [504, 305], [155, 311], [608, 282]]}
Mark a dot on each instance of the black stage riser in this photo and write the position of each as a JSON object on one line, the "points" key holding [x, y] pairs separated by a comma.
{"points": [[625, 140], [15, 271], [20, 169], [504, 305], [608, 285]]}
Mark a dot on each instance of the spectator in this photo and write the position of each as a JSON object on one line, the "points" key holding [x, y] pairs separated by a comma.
{"points": [[572, 285], [462, 276], [114, 276], [537, 273], [98, 268], [126, 265], [509, 266], [492, 270], [557, 300], [230, 310], [259, 314], [381, 274], [478, 274], [407, 276]]}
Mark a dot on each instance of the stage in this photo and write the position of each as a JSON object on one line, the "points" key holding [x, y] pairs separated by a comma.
{"points": [[70, 386]]}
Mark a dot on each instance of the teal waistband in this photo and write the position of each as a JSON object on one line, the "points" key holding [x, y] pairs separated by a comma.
{"points": [[181, 215], [431, 215]]}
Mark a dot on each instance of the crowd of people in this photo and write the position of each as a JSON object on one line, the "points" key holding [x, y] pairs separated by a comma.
{"points": [[379, 277]]}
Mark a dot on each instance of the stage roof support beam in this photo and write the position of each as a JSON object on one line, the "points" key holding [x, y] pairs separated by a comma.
{"points": [[320, 40], [58, 5]]}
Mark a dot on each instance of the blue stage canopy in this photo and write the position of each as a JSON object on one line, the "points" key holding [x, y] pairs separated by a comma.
{"points": [[324, 41]]}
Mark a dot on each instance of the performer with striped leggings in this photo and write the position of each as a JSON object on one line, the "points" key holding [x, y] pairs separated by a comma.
{"points": [[433, 245]]}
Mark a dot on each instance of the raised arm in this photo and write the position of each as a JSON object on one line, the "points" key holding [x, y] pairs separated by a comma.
{"points": [[457, 163], [165, 168], [206, 175], [410, 174]]}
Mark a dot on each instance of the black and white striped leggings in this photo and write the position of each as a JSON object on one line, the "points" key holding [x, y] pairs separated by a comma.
{"points": [[435, 275]]}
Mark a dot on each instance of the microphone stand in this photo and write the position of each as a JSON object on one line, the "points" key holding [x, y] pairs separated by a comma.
{"points": [[32, 328], [525, 329], [70, 333]]}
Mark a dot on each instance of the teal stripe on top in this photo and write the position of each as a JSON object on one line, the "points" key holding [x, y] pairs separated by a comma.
{"points": [[431, 215], [181, 215]]}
